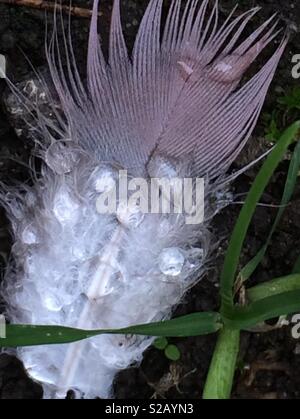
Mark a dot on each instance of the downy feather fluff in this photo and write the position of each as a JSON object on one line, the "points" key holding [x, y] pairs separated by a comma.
{"points": [[176, 107]]}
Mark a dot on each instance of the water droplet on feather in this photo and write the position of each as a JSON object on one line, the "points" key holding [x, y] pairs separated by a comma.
{"points": [[171, 261]]}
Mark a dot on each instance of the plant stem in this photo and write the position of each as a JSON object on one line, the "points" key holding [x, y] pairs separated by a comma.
{"points": [[222, 368], [50, 6]]}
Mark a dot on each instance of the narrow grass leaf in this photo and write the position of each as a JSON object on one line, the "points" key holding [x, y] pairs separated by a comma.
{"points": [[191, 325], [291, 181], [264, 309], [274, 287], [237, 239]]}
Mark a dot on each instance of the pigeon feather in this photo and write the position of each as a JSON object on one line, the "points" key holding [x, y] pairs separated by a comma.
{"points": [[177, 107]]}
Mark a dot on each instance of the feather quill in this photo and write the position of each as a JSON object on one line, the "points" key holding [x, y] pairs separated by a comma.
{"points": [[177, 106]]}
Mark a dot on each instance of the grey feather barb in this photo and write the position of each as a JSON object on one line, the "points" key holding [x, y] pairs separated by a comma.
{"points": [[176, 108], [159, 106]]}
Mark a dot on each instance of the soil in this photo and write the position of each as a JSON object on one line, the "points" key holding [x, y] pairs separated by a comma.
{"points": [[269, 366]]}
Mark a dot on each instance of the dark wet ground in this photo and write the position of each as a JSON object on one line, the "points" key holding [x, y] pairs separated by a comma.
{"points": [[269, 364]]}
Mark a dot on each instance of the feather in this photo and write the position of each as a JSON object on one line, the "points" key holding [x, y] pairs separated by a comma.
{"points": [[145, 104], [177, 108]]}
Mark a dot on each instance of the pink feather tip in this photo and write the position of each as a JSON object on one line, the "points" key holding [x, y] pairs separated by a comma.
{"points": [[179, 93]]}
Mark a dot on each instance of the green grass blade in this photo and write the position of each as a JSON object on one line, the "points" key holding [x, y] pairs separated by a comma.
{"points": [[196, 324], [290, 185], [27, 335], [265, 309], [237, 239], [221, 372], [191, 325], [274, 287]]}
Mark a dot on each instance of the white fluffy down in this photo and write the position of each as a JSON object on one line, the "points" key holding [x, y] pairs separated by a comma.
{"points": [[76, 267]]}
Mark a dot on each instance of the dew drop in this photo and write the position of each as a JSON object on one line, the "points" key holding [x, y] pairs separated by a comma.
{"points": [[104, 178], [29, 235], [60, 158], [52, 303], [161, 166], [171, 261], [65, 208]]}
